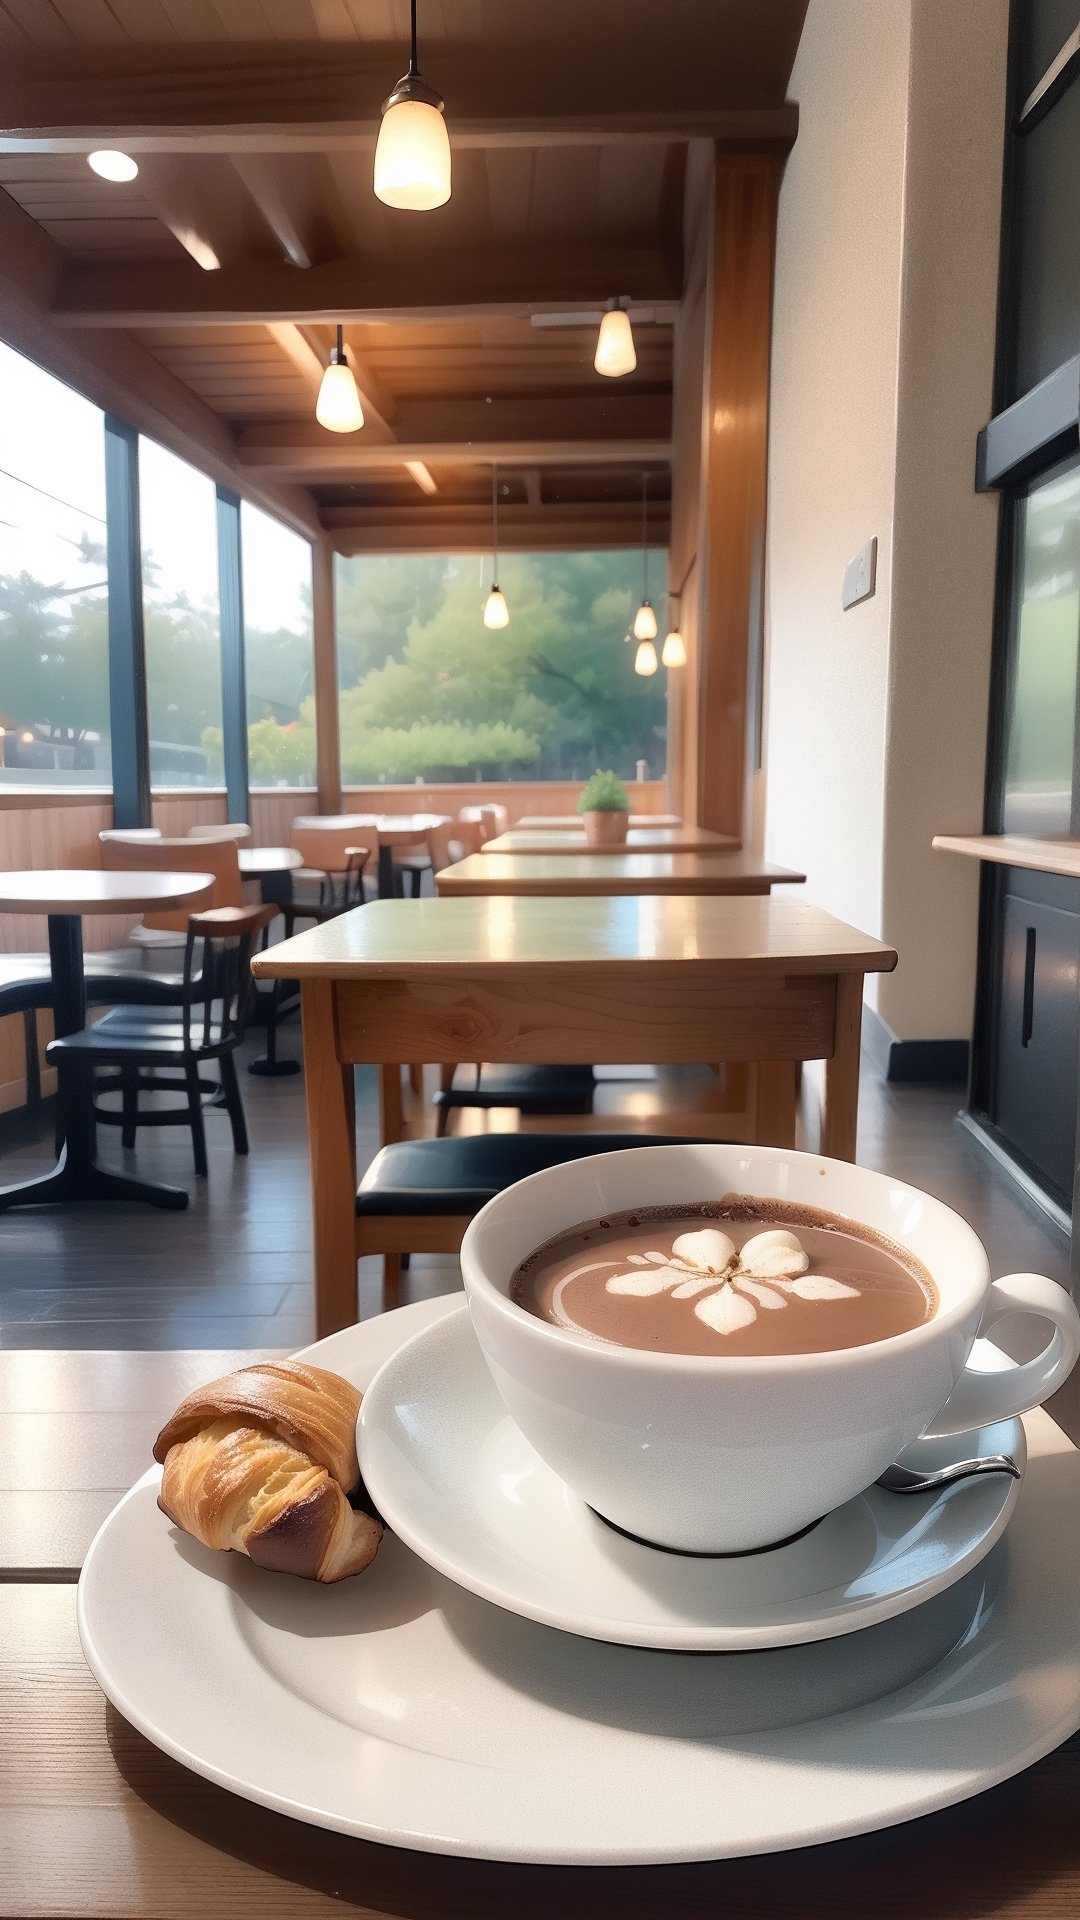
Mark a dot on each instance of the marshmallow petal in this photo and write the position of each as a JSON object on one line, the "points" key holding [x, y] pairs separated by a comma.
{"points": [[726, 1311], [707, 1249], [818, 1286], [775, 1254], [765, 1296], [691, 1288], [645, 1280]]}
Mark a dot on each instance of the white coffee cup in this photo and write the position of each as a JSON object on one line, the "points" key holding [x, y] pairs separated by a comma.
{"points": [[723, 1454]]}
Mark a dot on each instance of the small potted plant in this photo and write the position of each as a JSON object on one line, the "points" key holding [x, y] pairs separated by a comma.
{"points": [[604, 807]]}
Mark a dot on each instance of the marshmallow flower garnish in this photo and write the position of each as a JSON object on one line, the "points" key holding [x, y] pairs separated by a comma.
{"points": [[730, 1285]]}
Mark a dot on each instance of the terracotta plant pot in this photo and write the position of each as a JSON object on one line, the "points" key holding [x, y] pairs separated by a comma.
{"points": [[605, 829]]}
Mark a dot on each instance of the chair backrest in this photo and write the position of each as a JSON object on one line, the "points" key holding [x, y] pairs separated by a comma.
{"points": [[453, 842], [216, 857], [236, 830], [499, 817], [130, 833], [218, 987], [327, 844]]}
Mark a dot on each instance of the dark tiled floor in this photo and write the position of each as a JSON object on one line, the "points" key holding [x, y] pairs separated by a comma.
{"points": [[233, 1271]]}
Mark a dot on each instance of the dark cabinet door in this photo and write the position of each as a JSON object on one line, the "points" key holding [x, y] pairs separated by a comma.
{"points": [[1038, 1036]]}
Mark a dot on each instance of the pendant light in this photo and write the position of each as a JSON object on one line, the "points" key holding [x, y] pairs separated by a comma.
{"points": [[674, 651], [412, 155], [645, 618], [615, 353], [338, 405], [496, 611], [110, 164], [645, 661]]}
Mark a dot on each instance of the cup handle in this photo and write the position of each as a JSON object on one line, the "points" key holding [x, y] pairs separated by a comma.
{"points": [[979, 1399]]}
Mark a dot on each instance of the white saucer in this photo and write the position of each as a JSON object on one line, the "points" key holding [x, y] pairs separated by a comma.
{"points": [[456, 1480], [399, 1708]]}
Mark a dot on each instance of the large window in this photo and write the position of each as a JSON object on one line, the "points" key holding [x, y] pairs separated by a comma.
{"points": [[428, 691], [54, 671], [183, 629], [279, 654], [1041, 693]]}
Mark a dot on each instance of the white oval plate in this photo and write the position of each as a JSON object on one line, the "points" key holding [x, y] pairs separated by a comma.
{"points": [[400, 1708], [459, 1483]]}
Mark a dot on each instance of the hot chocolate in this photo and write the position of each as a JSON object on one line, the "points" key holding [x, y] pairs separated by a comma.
{"points": [[735, 1276]]}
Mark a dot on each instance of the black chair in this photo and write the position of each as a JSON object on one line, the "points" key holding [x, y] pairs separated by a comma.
{"points": [[25, 986], [152, 1049], [418, 1196]]}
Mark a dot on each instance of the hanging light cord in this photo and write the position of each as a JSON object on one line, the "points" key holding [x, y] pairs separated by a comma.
{"points": [[494, 524], [413, 68], [644, 536], [339, 356]]}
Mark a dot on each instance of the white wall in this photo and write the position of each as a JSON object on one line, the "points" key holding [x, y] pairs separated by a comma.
{"points": [[881, 376]]}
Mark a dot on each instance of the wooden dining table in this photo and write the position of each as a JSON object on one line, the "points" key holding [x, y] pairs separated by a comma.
{"points": [[96, 1822], [574, 822], [603, 873], [565, 982], [567, 842]]}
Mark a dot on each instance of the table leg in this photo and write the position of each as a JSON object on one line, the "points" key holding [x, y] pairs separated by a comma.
{"points": [[277, 890], [77, 1175], [391, 1114], [776, 1102], [839, 1120], [386, 871], [331, 1111]]}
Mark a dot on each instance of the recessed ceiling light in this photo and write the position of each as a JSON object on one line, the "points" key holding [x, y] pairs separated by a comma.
{"points": [[111, 165]]}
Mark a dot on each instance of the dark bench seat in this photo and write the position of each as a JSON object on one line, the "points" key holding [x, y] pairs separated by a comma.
{"points": [[418, 1196]]}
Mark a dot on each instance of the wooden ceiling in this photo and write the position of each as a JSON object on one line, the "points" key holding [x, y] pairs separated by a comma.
{"points": [[252, 229]]}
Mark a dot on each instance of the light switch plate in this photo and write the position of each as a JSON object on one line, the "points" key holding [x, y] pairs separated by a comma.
{"points": [[860, 575]]}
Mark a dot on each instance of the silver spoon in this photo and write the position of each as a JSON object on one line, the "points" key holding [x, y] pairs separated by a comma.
{"points": [[897, 1479]]}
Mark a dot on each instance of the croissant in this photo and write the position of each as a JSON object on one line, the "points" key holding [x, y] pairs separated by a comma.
{"points": [[262, 1461]]}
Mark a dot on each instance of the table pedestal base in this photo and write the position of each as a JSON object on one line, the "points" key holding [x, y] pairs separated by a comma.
{"points": [[70, 1180]]}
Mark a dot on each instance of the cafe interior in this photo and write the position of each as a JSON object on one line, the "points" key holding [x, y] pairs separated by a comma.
{"points": [[539, 643]]}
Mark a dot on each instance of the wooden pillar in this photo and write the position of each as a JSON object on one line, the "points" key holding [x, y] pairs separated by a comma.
{"points": [[720, 426], [324, 626], [735, 456]]}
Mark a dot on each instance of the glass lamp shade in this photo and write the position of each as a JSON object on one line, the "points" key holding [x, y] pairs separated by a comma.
{"points": [[615, 345], [412, 157], [112, 165], [496, 611], [338, 406], [645, 661], [674, 653], [645, 622]]}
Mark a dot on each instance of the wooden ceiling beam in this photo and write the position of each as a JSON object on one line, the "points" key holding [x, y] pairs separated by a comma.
{"points": [[567, 527], [519, 417], [289, 223], [436, 283], [344, 457], [191, 206], [423, 476], [184, 97]]}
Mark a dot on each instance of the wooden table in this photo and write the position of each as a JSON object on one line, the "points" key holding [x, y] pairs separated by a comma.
{"points": [[96, 1823], [65, 895], [573, 822], [542, 982], [604, 873], [681, 839], [273, 867]]}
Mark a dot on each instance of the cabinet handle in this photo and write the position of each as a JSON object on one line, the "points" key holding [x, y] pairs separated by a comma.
{"points": [[1029, 989]]}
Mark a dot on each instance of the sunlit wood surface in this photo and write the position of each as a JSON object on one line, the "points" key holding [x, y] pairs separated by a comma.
{"points": [[643, 839], [78, 891], [599, 873], [397, 938], [573, 822], [1015, 850]]}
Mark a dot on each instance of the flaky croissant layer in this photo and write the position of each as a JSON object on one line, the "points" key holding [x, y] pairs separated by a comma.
{"points": [[235, 1481]]}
